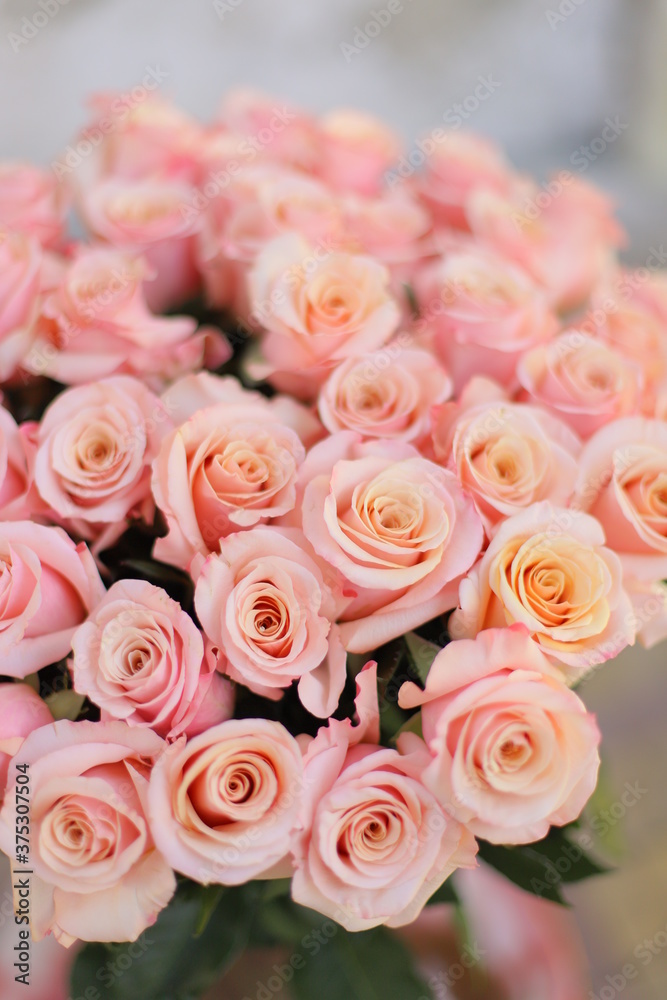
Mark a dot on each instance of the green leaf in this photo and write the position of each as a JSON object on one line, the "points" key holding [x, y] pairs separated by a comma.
{"points": [[169, 961], [445, 894], [422, 654], [369, 965]]}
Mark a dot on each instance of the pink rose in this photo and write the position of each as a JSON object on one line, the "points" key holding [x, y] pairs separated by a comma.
{"points": [[140, 658], [357, 150], [150, 218], [397, 527], [97, 875], [264, 603], [547, 568], [223, 806], [279, 132], [514, 750], [623, 483], [21, 711], [581, 380], [20, 273], [229, 466], [483, 312], [506, 455], [374, 842], [395, 229], [386, 394], [93, 452], [48, 585], [13, 469], [319, 315], [95, 322], [32, 202]]}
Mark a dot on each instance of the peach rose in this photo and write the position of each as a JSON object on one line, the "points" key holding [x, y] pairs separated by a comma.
{"points": [[223, 806], [482, 312], [48, 585], [13, 469], [97, 875], [397, 527], [514, 750], [548, 569], [623, 483], [581, 380], [20, 273], [374, 842], [357, 150], [140, 658], [150, 218], [228, 467], [386, 394], [21, 711], [32, 202], [506, 455], [95, 322], [264, 603], [93, 452], [316, 316]]}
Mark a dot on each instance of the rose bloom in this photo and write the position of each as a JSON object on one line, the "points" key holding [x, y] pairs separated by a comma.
{"points": [[263, 601], [317, 316], [397, 527], [227, 467], [374, 842], [506, 455], [93, 451], [95, 322], [292, 132], [566, 246], [582, 380], [514, 750], [548, 569], [223, 806], [395, 229], [482, 312], [48, 585], [97, 875], [20, 272], [623, 483], [21, 711], [32, 202], [13, 469], [357, 150], [147, 216], [386, 394], [140, 658]]}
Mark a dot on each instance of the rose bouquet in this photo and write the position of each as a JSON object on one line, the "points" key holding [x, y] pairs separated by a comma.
{"points": [[328, 469]]}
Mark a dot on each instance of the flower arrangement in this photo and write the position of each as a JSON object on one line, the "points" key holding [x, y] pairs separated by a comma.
{"points": [[328, 470]]}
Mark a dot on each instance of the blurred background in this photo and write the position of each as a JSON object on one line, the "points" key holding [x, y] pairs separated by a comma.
{"points": [[559, 72]]}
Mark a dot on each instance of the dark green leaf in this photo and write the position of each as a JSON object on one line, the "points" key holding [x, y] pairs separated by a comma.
{"points": [[422, 654], [445, 894]]}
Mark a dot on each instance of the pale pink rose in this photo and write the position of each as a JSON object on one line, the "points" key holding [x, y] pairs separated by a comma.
{"points": [[20, 273], [48, 585], [514, 750], [395, 229], [397, 527], [374, 843], [93, 451], [566, 246], [649, 603], [457, 164], [95, 322], [223, 806], [21, 711], [97, 875], [506, 455], [317, 316], [140, 658], [13, 469], [264, 603], [357, 151], [582, 380], [482, 312], [150, 218], [228, 467], [386, 394], [623, 483], [548, 569], [32, 202], [271, 128]]}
